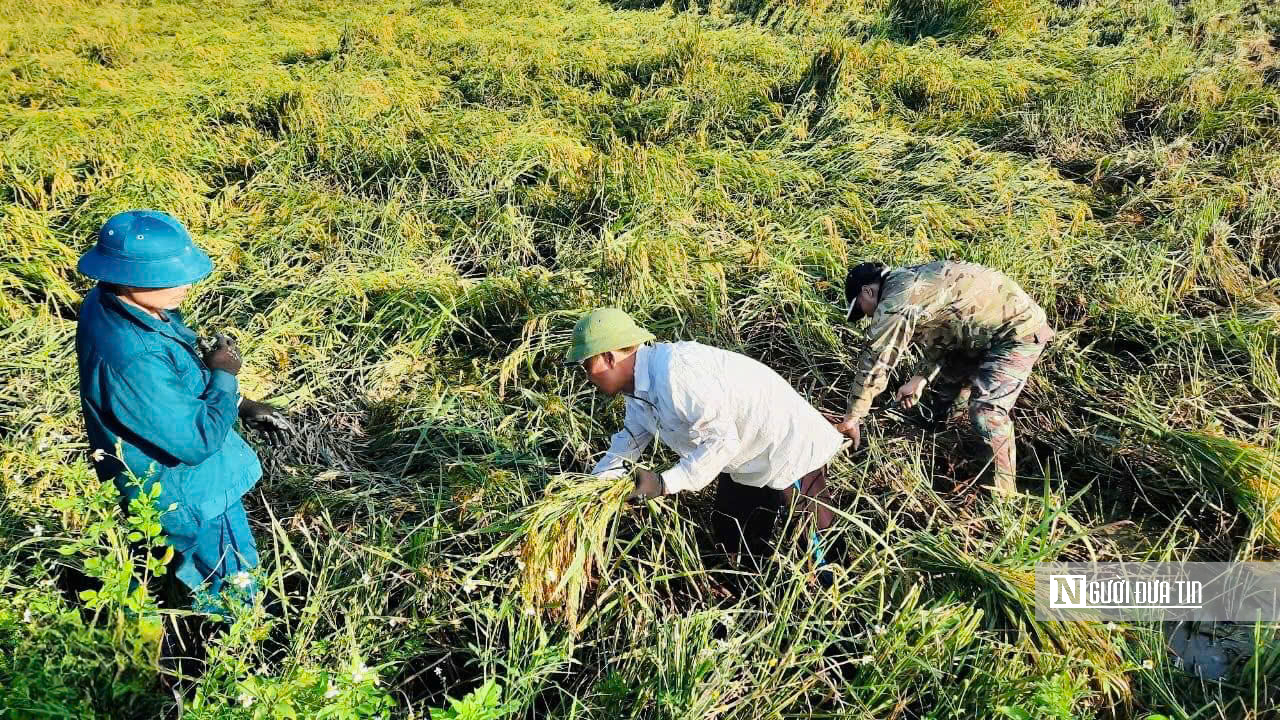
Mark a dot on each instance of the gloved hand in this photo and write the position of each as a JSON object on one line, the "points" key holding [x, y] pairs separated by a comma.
{"points": [[221, 354], [265, 419], [826, 575], [648, 486]]}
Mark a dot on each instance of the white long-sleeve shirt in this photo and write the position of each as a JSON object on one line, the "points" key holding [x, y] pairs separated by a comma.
{"points": [[721, 412]]}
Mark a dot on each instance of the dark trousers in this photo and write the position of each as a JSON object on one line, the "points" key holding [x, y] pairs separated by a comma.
{"points": [[744, 517]]}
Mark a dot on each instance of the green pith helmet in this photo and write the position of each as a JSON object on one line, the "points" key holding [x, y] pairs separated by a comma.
{"points": [[602, 330]]}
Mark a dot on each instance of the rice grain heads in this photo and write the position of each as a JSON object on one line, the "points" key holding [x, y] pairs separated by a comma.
{"points": [[568, 542]]}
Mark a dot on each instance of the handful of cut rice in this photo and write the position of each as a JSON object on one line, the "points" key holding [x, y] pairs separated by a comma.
{"points": [[568, 540]]}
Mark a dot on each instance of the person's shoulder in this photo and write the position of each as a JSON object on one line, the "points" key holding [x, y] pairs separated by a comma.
{"points": [[899, 285], [694, 373], [907, 285], [691, 363], [937, 272], [957, 270], [105, 335], [692, 351], [980, 278], [683, 349], [658, 353]]}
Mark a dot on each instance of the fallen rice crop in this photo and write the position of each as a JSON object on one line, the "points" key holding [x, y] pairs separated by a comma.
{"points": [[1246, 472], [409, 203]]}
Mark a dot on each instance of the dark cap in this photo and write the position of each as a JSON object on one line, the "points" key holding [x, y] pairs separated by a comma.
{"points": [[859, 275]]}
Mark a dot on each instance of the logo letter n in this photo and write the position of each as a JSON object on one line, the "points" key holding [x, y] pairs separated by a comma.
{"points": [[1067, 591]]}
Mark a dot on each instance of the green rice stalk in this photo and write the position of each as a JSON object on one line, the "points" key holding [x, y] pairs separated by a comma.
{"points": [[1008, 589]]}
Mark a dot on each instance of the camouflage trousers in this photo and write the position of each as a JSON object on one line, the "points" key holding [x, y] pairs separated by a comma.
{"points": [[992, 381]]}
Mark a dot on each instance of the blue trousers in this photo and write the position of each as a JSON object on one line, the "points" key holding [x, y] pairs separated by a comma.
{"points": [[213, 553]]}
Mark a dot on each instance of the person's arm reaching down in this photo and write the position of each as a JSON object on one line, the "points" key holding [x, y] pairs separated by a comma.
{"points": [[718, 445], [887, 341], [626, 446], [702, 407]]}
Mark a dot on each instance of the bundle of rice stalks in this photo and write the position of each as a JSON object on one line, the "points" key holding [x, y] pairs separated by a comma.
{"points": [[567, 541], [1249, 473]]}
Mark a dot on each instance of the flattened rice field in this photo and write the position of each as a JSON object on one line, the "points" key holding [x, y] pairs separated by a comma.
{"points": [[408, 204]]}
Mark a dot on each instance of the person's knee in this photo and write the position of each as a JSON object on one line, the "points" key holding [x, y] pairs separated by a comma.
{"points": [[991, 422]]}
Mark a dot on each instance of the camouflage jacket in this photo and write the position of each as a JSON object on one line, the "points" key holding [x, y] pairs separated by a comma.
{"points": [[947, 307]]}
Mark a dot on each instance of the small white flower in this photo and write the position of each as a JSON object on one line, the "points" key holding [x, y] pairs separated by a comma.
{"points": [[245, 699], [26, 615], [879, 629], [1111, 626], [362, 674], [37, 530], [528, 611], [439, 672], [469, 586], [550, 575], [365, 578], [866, 660], [98, 455], [331, 693], [241, 580], [1147, 665]]}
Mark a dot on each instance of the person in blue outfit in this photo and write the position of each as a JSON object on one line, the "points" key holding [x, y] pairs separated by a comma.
{"points": [[160, 406]]}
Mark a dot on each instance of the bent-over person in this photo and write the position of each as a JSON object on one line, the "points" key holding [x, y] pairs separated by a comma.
{"points": [[979, 333], [727, 416]]}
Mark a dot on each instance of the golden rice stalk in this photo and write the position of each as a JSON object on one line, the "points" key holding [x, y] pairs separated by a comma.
{"points": [[1249, 473], [568, 540]]}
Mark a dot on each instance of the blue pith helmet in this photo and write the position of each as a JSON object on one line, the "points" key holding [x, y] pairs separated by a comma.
{"points": [[145, 249]]}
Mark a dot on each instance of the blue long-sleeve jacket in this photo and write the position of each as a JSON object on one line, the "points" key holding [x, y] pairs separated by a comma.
{"points": [[143, 384]]}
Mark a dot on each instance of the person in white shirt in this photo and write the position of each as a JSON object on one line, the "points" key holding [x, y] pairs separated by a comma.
{"points": [[727, 416]]}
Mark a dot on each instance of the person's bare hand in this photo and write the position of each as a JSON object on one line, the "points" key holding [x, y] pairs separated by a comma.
{"points": [[910, 392], [648, 486], [852, 429]]}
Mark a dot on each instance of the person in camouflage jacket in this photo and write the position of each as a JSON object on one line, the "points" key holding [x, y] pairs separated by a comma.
{"points": [[975, 327]]}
